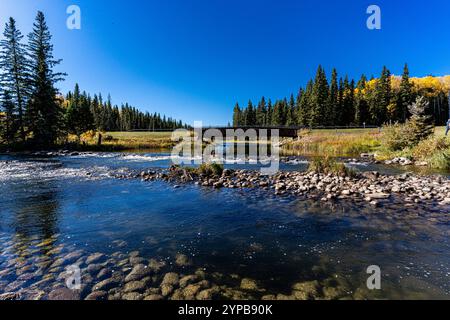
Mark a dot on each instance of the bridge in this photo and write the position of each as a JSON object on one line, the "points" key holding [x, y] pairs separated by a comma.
{"points": [[283, 132]]}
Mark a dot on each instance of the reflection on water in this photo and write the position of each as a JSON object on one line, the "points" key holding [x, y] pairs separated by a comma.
{"points": [[59, 211]]}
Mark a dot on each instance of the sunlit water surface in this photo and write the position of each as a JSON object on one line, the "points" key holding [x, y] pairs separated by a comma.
{"points": [[275, 240]]}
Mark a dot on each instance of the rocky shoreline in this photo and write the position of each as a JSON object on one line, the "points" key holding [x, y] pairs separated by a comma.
{"points": [[371, 187]]}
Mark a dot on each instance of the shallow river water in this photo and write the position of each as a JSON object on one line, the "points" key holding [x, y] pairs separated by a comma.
{"points": [[52, 206]]}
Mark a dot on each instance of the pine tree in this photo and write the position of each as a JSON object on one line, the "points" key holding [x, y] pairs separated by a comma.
{"points": [[304, 108], [237, 115], [405, 96], [382, 98], [250, 115], [333, 99], [361, 106], [15, 77], [43, 113], [79, 118], [9, 120], [290, 112], [348, 112], [339, 114], [269, 113], [261, 112], [319, 98], [420, 123], [277, 116]]}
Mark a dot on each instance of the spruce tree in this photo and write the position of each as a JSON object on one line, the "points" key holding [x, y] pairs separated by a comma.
{"points": [[333, 97], [405, 96], [44, 114], [339, 114], [79, 118], [15, 76], [9, 119], [361, 106], [237, 115], [290, 113], [269, 113], [420, 123], [304, 108], [348, 112], [382, 97], [319, 98], [261, 112], [250, 115]]}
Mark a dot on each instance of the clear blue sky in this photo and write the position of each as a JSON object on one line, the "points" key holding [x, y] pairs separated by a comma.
{"points": [[194, 59]]}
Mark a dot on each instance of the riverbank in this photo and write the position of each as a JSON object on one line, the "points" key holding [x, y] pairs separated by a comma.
{"points": [[109, 142], [433, 152]]}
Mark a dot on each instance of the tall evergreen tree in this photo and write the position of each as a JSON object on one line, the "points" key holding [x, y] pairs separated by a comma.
{"points": [[8, 128], [250, 115], [319, 98], [261, 112], [290, 112], [15, 77], [333, 99], [361, 106], [237, 115], [43, 113], [405, 96], [304, 108], [339, 115], [421, 123], [348, 112], [269, 113], [79, 118], [382, 98]]}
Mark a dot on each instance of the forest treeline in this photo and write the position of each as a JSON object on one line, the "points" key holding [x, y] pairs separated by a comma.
{"points": [[34, 114], [345, 102], [85, 112]]}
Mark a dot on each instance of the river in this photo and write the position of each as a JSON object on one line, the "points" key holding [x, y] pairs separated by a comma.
{"points": [[52, 206]]}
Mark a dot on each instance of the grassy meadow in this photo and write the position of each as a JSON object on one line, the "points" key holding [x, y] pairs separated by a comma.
{"points": [[120, 141], [334, 142], [435, 150]]}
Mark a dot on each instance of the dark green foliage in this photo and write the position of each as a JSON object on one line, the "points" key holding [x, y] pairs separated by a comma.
{"points": [[84, 113], [9, 123], [14, 78], [405, 96], [79, 118], [328, 165], [44, 115], [237, 115], [319, 99], [343, 102], [31, 109], [210, 169], [420, 123], [417, 129], [361, 105]]}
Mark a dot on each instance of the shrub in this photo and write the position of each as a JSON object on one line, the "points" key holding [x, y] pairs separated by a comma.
{"points": [[109, 138], [88, 136], [328, 165], [440, 160], [210, 169], [397, 137], [430, 146]]}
